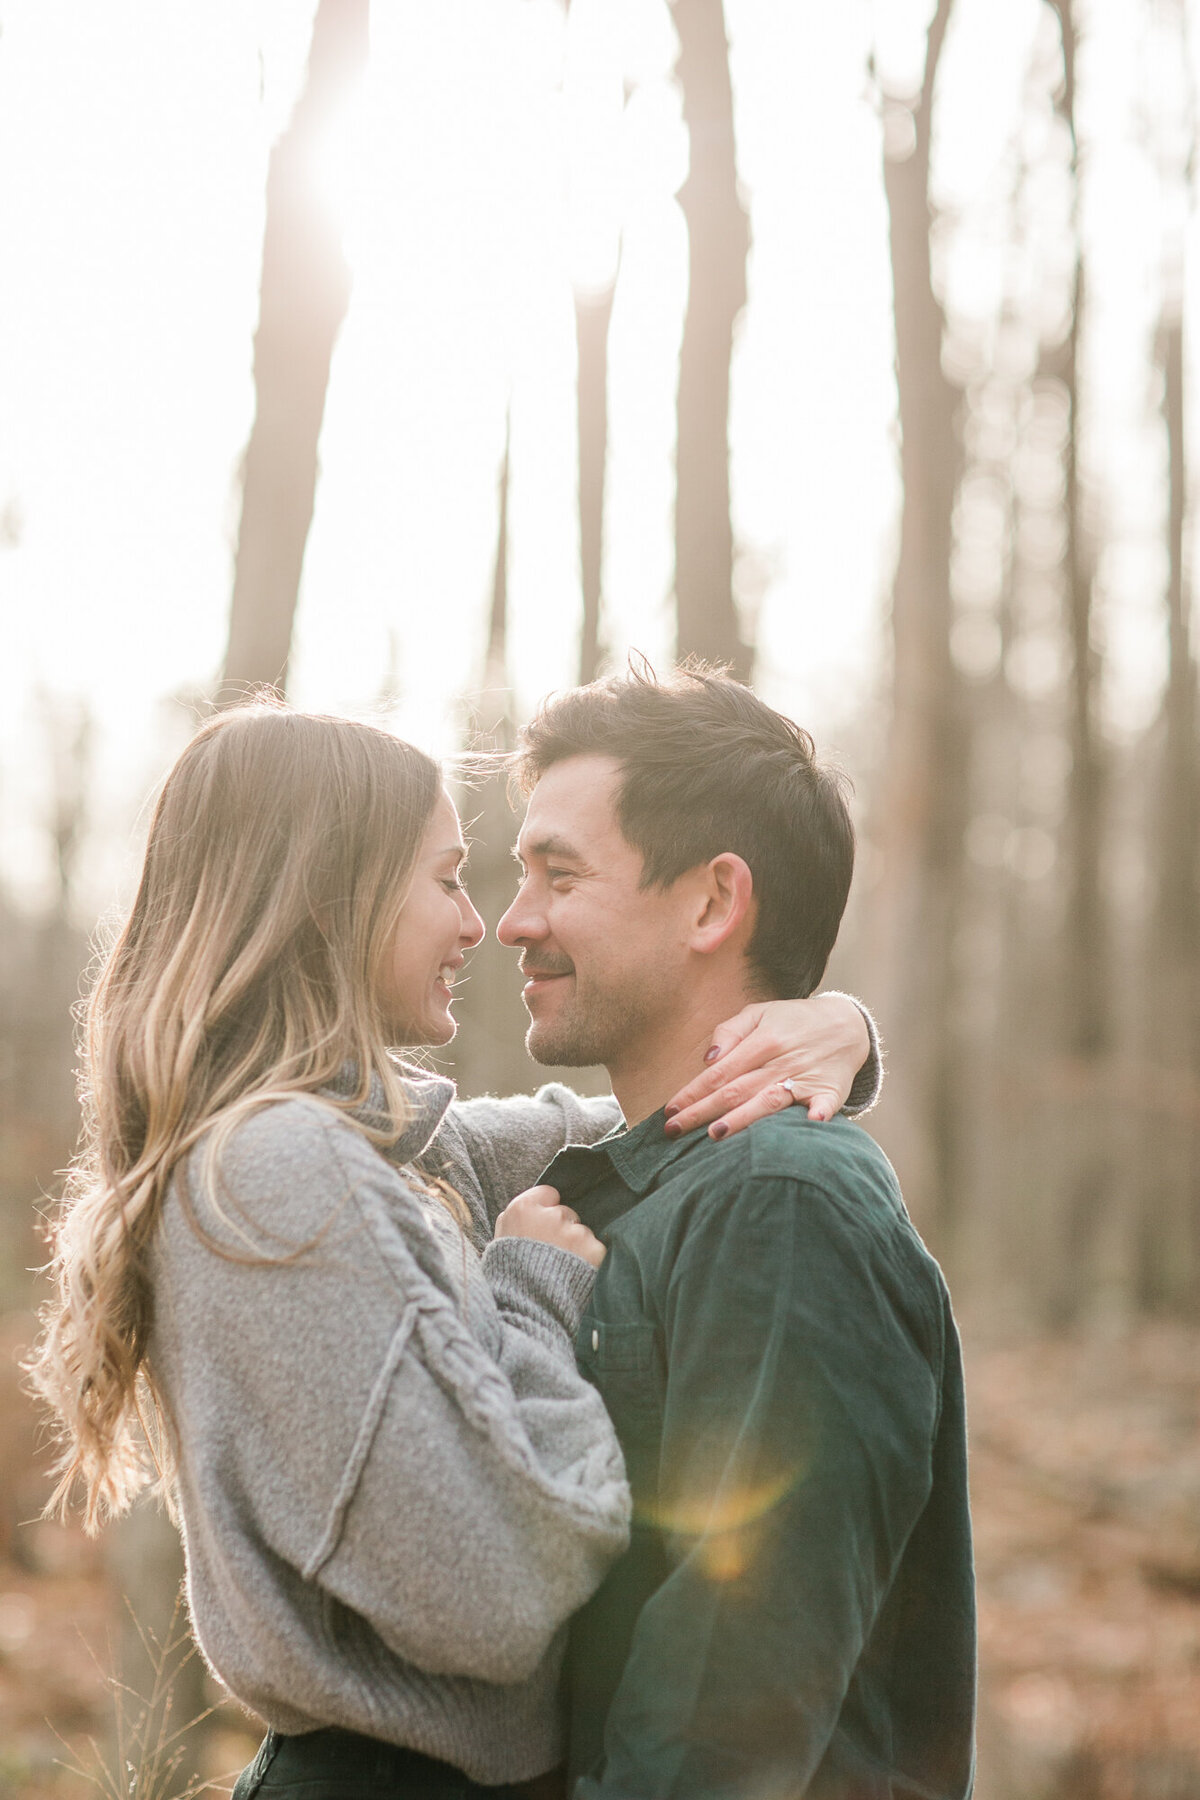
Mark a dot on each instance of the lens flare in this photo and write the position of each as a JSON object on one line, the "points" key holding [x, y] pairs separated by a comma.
{"points": [[727, 1526]]}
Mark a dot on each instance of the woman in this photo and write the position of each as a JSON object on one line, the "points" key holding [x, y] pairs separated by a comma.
{"points": [[394, 1486]]}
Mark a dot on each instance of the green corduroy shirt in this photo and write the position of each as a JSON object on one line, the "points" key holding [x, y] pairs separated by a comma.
{"points": [[795, 1615]]}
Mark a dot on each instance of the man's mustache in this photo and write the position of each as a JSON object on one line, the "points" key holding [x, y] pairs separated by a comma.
{"points": [[545, 965]]}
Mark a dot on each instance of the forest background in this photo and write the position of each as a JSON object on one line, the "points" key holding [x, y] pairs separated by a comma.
{"points": [[417, 360]]}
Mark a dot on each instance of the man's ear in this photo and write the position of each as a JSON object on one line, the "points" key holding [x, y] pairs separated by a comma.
{"points": [[724, 902]]}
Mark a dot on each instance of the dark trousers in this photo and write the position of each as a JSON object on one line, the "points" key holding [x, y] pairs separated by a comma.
{"points": [[344, 1765]]}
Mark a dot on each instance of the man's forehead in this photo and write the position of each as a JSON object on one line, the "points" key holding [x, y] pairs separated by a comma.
{"points": [[572, 808]]}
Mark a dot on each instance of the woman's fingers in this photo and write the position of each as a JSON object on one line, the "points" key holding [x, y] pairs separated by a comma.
{"points": [[771, 1099], [539, 1213], [704, 1098], [543, 1195], [731, 1032], [760, 1089], [817, 1044], [582, 1242], [528, 1214], [754, 1096], [823, 1103], [751, 1066]]}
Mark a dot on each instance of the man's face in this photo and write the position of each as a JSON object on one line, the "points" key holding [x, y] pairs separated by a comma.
{"points": [[603, 957]]}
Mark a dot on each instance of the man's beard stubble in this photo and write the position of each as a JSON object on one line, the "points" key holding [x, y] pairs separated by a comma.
{"points": [[597, 1029]]}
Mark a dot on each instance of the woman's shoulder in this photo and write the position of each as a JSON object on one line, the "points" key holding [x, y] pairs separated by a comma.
{"points": [[279, 1171], [282, 1137]]}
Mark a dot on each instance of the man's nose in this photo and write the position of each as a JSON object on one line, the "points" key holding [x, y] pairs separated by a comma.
{"points": [[520, 924]]}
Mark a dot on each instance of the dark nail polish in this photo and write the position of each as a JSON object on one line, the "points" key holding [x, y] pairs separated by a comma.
{"points": [[719, 1130], [712, 1053], [673, 1130], [670, 1111]]}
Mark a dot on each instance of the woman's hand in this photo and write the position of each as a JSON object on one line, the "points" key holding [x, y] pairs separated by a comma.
{"points": [[539, 1213], [819, 1044]]}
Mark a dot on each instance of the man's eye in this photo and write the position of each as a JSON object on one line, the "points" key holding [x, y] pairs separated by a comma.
{"points": [[558, 874]]}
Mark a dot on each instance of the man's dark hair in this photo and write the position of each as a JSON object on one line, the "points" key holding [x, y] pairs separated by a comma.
{"points": [[706, 767]]}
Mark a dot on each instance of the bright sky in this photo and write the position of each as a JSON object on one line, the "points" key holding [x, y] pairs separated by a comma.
{"points": [[486, 164]]}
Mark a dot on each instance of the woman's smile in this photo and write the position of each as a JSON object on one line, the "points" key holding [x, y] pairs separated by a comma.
{"points": [[437, 915]]}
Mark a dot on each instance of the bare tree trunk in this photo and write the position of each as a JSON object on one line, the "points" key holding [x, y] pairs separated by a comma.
{"points": [[1169, 1230], [303, 298], [1179, 912], [923, 788], [718, 245], [489, 1055], [1093, 1186], [1089, 1026], [1170, 1224], [592, 315], [495, 666], [1085, 936]]}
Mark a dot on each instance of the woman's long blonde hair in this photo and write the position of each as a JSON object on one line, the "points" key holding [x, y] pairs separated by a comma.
{"points": [[278, 858]]}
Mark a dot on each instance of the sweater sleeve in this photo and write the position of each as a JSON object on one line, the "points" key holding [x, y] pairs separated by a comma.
{"points": [[868, 1083], [431, 1459], [509, 1142]]}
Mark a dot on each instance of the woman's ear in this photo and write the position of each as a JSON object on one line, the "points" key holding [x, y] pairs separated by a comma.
{"points": [[725, 902]]}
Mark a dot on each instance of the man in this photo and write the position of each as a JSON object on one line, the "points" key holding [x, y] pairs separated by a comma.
{"points": [[795, 1614]]}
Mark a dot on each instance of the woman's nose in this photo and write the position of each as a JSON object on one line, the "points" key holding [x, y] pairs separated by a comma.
{"points": [[473, 929]]}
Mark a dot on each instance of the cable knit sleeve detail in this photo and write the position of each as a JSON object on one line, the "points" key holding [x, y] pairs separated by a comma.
{"points": [[490, 1503], [426, 1454], [541, 1285]]}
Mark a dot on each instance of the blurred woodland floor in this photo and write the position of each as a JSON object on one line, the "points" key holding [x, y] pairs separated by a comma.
{"points": [[1086, 1495], [1087, 1507]]}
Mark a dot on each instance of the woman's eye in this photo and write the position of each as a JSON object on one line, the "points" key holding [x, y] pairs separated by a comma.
{"points": [[454, 884]]}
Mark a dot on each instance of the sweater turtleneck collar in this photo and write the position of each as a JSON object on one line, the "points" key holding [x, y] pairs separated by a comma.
{"points": [[428, 1097]]}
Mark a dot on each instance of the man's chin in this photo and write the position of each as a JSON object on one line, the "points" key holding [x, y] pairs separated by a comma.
{"points": [[558, 1049]]}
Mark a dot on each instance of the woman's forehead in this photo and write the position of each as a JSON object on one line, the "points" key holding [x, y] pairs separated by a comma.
{"points": [[443, 833]]}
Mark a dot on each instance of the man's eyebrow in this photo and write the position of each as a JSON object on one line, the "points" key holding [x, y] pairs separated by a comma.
{"points": [[553, 846]]}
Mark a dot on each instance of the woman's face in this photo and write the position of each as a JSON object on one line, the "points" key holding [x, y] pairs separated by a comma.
{"points": [[436, 928]]}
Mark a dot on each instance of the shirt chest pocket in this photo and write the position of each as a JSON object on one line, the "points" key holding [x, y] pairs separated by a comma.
{"points": [[623, 1362]]}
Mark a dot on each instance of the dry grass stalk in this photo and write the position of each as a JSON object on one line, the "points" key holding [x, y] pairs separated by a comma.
{"points": [[143, 1761]]}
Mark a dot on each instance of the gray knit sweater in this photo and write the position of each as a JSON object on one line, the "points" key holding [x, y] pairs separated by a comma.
{"points": [[394, 1485]]}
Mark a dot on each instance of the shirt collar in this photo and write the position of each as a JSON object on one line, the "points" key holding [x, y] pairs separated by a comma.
{"points": [[638, 1155]]}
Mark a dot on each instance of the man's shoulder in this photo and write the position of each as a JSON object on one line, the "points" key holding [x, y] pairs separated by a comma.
{"points": [[828, 1193], [791, 1146], [838, 1157], [828, 1183]]}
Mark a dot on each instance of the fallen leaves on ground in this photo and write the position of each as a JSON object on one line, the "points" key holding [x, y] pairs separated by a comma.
{"points": [[1086, 1494]]}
